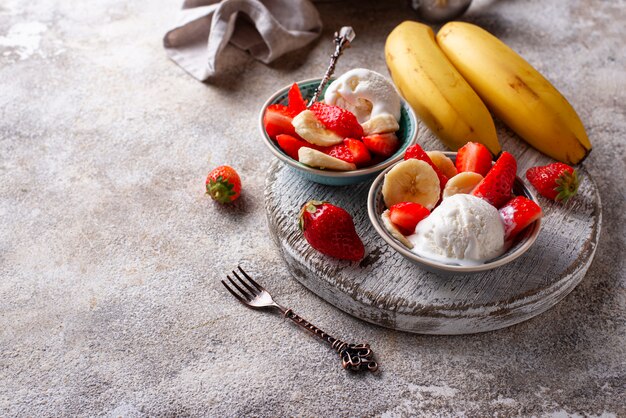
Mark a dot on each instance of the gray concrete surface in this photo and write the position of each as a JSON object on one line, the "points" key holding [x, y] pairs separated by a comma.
{"points": [[110, 254]]}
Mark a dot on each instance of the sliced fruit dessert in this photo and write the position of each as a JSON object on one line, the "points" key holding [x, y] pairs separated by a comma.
{"points": [[330, 230], [332, 129], [466, 228], [556, 181]]}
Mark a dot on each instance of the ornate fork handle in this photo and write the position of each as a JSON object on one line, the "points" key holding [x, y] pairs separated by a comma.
{"points": [[353, 356]]}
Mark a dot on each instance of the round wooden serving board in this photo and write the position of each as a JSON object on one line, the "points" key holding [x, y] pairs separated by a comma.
{"points": [[388, 290]]}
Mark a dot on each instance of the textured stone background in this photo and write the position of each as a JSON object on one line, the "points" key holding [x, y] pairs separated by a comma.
{"points": [[110, 254]]}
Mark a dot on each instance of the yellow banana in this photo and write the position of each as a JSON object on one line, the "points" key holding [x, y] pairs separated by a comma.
{"points": [[436, 90], [515, 92]]}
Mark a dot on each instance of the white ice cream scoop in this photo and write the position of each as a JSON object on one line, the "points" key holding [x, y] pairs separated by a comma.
{"points": [[463, 229], [365, 93]]}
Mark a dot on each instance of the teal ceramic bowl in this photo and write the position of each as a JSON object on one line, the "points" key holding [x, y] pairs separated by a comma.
{"points": [[407, 135]]}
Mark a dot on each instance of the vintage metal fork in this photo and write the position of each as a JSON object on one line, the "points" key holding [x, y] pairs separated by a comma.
{"points": [[253, 295]]}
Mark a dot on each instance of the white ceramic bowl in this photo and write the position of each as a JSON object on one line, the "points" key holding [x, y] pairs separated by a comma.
{"points": [[376, 206]]}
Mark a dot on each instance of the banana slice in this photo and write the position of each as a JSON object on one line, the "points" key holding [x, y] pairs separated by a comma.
{"points": [[380, 124], [411, 181], [391, 228], [318, 159], [463, 182], [443, 163], [313, 131]]}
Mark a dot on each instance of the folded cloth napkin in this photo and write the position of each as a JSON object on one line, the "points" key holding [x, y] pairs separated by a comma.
{"points": [[265, 28]]}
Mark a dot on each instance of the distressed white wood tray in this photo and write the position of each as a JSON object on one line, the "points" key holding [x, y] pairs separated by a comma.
{"points": [[388, 290]]}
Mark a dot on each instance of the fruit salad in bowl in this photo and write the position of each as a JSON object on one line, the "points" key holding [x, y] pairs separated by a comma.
{"points": [[359, 127], [455, 213]]}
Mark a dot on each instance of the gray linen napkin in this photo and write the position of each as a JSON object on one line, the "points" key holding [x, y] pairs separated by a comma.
{"points": [[265, 28]]}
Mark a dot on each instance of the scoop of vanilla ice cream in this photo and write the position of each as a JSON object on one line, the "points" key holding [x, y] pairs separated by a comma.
{"points": [[463, 229], [365, 93]]}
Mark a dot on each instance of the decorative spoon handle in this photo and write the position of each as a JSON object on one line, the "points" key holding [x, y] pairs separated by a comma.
{"points": [[353, 356], [342, 40]]}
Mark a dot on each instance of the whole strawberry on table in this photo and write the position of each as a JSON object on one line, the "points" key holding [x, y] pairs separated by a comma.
{"points": [[223, 184]]}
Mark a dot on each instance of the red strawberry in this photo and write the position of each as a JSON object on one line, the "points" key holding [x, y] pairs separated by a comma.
{"points": [[338, 120], [277, 120], [223, 184], [517, 214], [497, 185], [407, 215], [361, 155], [296, 102], [473, 157], [290, 145], [330, 230], [556, 181], [382, 144], [417, 152], [341, 151]]}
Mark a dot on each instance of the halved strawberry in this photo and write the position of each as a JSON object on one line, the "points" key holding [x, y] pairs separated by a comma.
{"points": [[407, 215], [341, 121], [382, 144], [277, 120], [359, 151], [290, 145], [417, 152], [497, 186], [296, 102], [473, 157], [341, 151], [517, 214]]}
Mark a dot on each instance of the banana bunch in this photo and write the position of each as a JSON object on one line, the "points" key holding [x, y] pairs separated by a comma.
{"points": [[444, 79], [435, 89], [516, 93]]}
